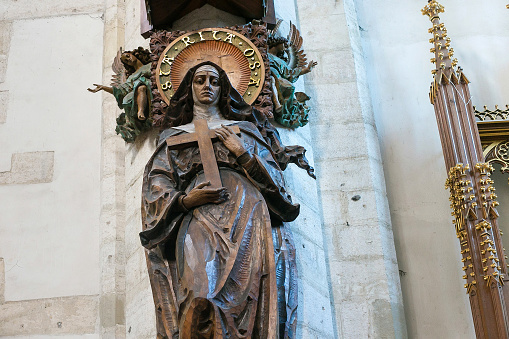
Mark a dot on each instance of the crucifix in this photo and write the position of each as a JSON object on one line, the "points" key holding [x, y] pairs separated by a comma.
{"points": [[203, 136]]}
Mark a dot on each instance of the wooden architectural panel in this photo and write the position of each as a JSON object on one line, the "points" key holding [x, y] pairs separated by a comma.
{"points": [[160, 14]]}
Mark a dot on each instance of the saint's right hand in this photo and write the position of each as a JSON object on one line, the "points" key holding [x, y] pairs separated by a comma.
{"points": [[200, 196]]}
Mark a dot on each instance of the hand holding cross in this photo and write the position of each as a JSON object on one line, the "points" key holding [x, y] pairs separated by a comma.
{"points": [[212, 190]]}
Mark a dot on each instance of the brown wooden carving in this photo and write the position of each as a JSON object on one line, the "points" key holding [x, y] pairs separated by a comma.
{"points": [[210, 246], [257, 33], [160, 14], [472, 193]]}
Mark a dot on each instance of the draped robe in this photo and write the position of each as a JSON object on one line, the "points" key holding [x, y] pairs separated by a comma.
{"points": [[212, 268]]}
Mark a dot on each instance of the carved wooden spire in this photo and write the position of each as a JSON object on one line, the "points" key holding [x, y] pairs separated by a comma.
{"points": [[472, 192]]}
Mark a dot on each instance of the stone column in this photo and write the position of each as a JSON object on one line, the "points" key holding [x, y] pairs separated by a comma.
{"points": [[112, 247], [364, 280]]}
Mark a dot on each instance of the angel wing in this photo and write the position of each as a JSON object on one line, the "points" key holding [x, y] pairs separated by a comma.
{"points": [[273, 32], [297, 58], [119, 76]]}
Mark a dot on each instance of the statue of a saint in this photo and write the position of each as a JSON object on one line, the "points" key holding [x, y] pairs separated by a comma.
{"points": [[131, 88], [210, 250]]}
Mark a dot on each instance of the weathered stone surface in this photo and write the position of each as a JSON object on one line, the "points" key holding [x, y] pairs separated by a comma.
{"points": [[54, 316], [29, 168], [315, 319], [5, 37], [4, 105], [3, 67], [350, 175], [26, 9], [2, 281], [140, 312], [112, 230]]}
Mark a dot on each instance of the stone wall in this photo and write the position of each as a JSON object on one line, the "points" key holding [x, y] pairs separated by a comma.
{"points": [[364, 281], [315, 311], [49, 168]]}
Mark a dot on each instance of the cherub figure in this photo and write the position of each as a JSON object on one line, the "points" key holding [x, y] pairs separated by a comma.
{"points": [[290, 107], [131, 87]]}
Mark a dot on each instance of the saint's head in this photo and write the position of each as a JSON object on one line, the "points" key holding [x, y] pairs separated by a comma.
{"points": [[206, 88], [206, 84]]}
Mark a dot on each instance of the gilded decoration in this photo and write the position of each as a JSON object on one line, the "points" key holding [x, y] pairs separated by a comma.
{"points": [[493, 126], [492, 268], [463, 206], [226, 48]]}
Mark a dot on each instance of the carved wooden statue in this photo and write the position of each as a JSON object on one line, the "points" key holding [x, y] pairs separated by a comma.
{"points": [[214, 198], [131, 87], [287, 64]]}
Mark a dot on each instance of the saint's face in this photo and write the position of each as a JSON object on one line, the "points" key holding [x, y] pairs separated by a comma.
{"points": [[206, 85]]}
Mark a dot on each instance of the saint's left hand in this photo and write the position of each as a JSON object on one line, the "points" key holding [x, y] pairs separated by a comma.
{"points": [[231, 140]]}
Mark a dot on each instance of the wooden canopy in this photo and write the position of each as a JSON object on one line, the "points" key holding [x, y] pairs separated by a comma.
{"points": [[160, 14]]}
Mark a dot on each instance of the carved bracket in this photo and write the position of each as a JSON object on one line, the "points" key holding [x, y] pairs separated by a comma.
{"points": [[498, 153]]}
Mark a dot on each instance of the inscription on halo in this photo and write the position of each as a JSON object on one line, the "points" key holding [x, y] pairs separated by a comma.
{"points": [[233, 52]]}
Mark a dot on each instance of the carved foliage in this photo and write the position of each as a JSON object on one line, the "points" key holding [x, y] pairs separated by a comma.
{"points": [[159, 40]]}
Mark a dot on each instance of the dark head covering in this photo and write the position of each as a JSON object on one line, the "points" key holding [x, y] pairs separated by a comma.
{"points": [[232, 107], [231, 104]]}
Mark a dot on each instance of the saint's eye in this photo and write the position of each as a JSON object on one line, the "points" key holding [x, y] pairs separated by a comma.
{"points": [[199, 80], [214, 81]]}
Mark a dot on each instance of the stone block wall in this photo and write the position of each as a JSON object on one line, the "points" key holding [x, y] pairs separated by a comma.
{"points": [[364, 283], [50, 130]]}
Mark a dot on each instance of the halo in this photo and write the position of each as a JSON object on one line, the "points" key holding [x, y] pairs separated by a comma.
{"points": [[225, 55], [230, 50]]}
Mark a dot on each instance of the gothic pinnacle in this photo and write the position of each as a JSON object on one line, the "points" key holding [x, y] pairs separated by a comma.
{"points": [[443, 55]]}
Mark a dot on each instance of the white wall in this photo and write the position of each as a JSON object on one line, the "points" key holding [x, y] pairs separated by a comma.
{"points": [[50, 157]]}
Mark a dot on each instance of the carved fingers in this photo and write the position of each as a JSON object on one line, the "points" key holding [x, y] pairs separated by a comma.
{"points": [[309, 67], [96, 89], [231, 140], [200, 196]]}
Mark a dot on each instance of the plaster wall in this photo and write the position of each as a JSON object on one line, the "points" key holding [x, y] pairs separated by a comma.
{"points": [[49, 168], [54, 230], [395, 41]]}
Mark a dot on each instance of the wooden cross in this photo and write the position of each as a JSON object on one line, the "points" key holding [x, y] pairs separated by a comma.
{"points": [[203, 136]]}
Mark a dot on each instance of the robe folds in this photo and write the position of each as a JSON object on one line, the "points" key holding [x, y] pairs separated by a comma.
{"points": [[212, 268]]}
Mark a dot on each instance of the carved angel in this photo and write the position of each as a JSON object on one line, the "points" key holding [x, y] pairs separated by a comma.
{"points": [[287, 63], [131, 87]]}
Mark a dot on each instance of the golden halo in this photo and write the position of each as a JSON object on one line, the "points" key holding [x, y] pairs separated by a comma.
{"points": [[223, 54], [230, 50]]}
